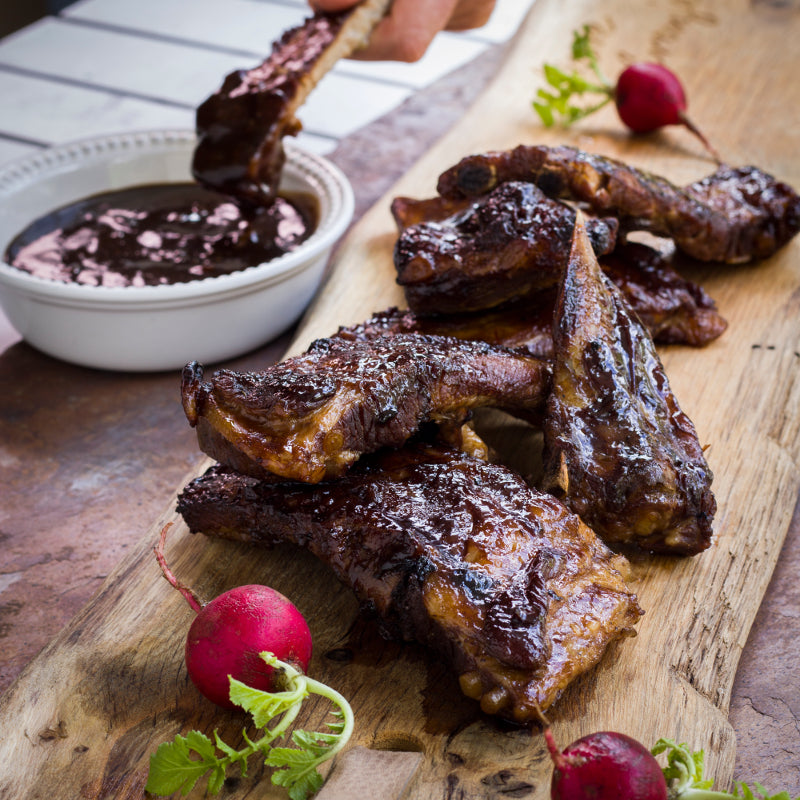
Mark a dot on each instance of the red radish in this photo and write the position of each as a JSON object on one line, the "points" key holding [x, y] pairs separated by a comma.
{"points": [[647, 96], [228, 634], [605, 766]]}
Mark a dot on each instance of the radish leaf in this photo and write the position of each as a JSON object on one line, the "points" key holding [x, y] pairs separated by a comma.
{"points": [[684, 775], [180, 764], [571, 84]]}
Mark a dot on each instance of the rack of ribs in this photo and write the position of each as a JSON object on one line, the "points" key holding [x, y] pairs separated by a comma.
{"points": [[241, 126], [618, 448], [449, 551], [734, 215], [310, 417]]}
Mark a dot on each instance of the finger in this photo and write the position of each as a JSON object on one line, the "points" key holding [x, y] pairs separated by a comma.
{"points": [[408, 29], [331, 5], [470, 14], [411, 25]]}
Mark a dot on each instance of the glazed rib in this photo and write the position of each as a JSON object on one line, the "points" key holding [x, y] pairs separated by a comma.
{"points": [[458, 259], [454, 553], [618, 448], [734, 215], [674, 309], [504, 246], [241, 126], [310, 417]]}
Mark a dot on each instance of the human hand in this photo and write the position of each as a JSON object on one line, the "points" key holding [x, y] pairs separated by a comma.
{"points": [[410, 26]]}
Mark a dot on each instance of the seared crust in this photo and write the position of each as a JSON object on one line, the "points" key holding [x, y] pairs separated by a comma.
{"points": [[504, 246], [487, 269]]}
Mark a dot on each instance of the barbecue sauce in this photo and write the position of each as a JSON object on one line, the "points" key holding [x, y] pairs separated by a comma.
{"points": [[159, 234]]}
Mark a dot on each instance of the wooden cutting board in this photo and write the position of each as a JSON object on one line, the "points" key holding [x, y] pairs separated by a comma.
{"points": [[82, 719]]}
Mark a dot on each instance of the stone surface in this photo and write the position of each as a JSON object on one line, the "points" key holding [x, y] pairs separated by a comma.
{"points": [[765, 707]]}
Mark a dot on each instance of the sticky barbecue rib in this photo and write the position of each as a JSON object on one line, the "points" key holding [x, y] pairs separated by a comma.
{"points": [[454, 553], [456, 257], [241, 126], [502, 247], [311, 416], [618, 448], [674, 309], [733, 215]]}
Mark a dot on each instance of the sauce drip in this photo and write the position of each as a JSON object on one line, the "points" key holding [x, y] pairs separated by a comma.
{"points": [[159, 234]]}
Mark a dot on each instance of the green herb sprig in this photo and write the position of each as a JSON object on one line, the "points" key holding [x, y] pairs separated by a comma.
{"points": [[558, 102], [684, 775], [180, 764]]}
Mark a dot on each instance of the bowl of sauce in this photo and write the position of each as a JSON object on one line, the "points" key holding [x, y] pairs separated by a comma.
{"points": [[115, 258]]}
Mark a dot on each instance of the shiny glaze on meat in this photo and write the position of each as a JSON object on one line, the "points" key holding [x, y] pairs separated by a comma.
{"points": [[502, 247], [734, 215], [241, 126], [311, 416], [618, 448], [761, 214], [674, 309], [517, 593]]}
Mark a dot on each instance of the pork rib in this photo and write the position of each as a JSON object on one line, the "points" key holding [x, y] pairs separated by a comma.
{"points": [[310, 417], [483, 269], [449, 551], [241, 126], [733, 215], [618, 448], [504, 246], [674, 309]]}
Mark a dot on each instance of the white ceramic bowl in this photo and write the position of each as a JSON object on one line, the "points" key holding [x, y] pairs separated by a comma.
{"points": [[146, 328]]}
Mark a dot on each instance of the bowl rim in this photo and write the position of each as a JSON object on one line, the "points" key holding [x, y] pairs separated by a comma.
{"points": [[327, 180]]}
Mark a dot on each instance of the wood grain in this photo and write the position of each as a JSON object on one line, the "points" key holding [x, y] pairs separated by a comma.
{"points": [[83, 717]]}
